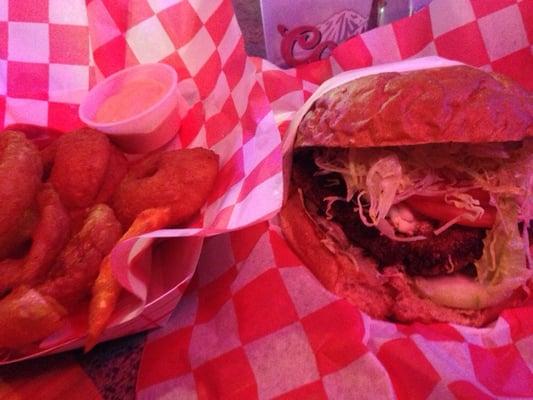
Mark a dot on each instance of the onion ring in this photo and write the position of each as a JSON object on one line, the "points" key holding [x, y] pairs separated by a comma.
{"points": [[49, 238], [27, 316], [160, 190], [76, 268], [20, 177], [179, 179], [13, 243], [79, 167]]}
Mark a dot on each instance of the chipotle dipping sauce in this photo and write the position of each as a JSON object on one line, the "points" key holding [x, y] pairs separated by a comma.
{"points": [[133, 98]]}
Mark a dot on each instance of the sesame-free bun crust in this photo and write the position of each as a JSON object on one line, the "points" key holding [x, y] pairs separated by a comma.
{"points": [[450, 104]]}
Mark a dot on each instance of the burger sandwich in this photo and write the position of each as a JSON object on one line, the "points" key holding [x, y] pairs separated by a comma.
{"points": [[411, 194]]}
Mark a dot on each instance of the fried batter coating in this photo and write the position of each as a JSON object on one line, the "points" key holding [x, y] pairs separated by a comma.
{"points": [[27, 316], [30, 314], [20, 178], [117, 168], [106, 289], [72, 276], [79, 167], [162, 189], [179, 179], [13, 244], [49, 237]]}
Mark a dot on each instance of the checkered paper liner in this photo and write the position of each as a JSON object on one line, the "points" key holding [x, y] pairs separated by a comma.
{"points": [[52, 52], [255, 323]]}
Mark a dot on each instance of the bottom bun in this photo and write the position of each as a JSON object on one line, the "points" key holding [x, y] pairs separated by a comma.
{"points": [[388, 295]]}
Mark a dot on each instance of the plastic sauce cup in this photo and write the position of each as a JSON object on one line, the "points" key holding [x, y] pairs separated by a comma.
{"points": [[138, 107]]}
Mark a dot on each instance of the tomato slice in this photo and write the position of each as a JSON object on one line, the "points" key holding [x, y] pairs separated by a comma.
{"points": [[436, 208]]}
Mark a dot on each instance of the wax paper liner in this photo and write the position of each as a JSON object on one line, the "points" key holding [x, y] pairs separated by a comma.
{"points": [[255, 323], [51, 57]]}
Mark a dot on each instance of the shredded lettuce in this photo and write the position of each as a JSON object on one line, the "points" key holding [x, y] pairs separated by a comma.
{"points": [[501, 269], [376, 179], [504, 256], [382, 182]]}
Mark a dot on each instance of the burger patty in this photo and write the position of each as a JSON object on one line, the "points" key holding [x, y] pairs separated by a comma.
{"points": [[448, 252], [453, 250]]}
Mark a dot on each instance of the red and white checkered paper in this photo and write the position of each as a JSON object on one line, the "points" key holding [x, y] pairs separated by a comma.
{"points": [[52, 52], [255, 323]]}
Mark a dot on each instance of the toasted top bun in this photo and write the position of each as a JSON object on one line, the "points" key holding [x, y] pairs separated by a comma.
{"points": [[451, 104]]}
